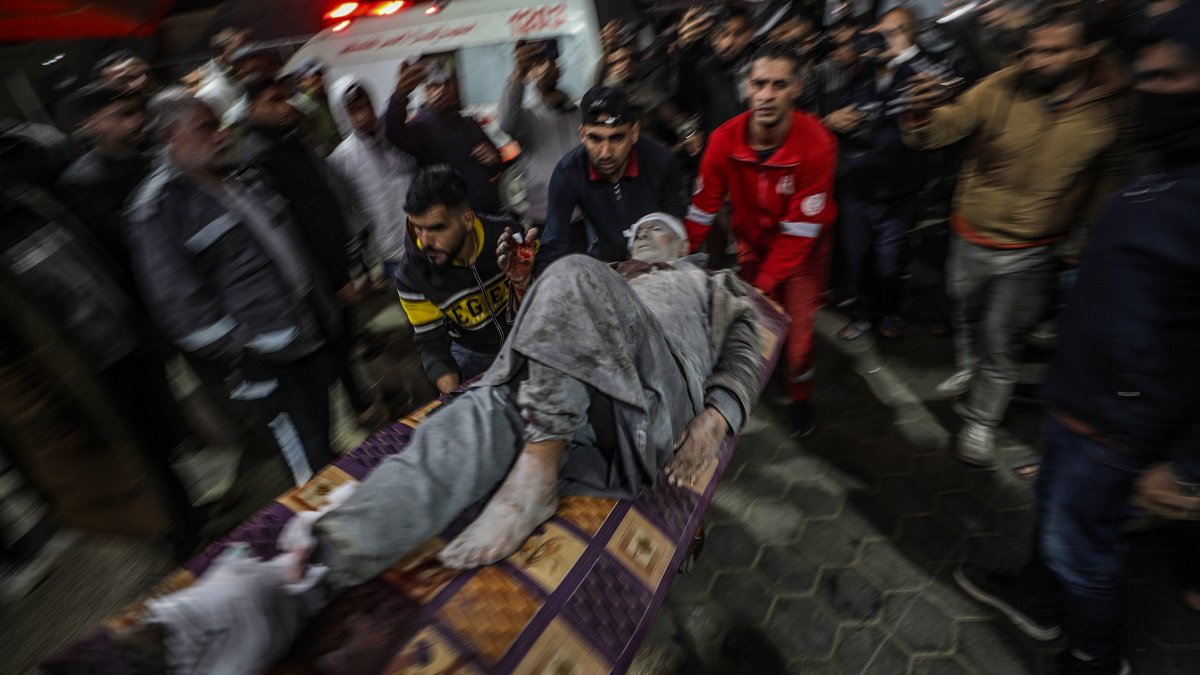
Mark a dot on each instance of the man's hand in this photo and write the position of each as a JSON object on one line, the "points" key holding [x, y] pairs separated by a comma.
{"points": [[928, 92], [696, 448], [696, 23], [448, 382], [844, 120], [485, 153], [515, 256], [411, 77], [1158, 492], [350, 294], [525, 54]]}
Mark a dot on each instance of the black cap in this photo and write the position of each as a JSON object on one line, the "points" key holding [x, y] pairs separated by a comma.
{"points": [[607, 106]]}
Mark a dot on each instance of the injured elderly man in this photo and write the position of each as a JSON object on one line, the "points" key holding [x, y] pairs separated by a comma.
{"points": [[610, 376]]}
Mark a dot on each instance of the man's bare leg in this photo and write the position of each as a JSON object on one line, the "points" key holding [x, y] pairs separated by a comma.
{"points": [[527, 498]]}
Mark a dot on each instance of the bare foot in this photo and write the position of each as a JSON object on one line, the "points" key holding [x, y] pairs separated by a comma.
{"points": [[527, 498], [697, 448]]}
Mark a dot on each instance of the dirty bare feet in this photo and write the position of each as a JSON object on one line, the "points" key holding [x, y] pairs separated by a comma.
{"points": [[527, 498], [697, 448]]}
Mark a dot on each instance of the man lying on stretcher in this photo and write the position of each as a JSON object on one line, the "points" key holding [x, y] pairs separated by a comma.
{"points": [[608, 376]]}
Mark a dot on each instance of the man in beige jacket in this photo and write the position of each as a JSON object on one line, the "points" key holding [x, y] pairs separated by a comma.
{"points": [[1046, 149]]}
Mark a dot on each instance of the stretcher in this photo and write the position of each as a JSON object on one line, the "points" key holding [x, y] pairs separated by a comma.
{"points": [[579, 596]]}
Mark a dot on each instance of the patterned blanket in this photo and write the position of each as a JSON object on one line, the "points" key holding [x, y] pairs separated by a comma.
{"points": [[578, 597]]}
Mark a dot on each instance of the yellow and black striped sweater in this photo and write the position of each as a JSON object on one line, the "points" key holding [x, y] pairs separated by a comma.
{"points": [[464, 304]]}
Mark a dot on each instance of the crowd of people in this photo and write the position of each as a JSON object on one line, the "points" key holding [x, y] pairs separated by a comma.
{"points": [[239, 217]]}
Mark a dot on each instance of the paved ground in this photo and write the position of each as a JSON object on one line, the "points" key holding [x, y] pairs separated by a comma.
{"points": [[830, 555], [833, 554]]}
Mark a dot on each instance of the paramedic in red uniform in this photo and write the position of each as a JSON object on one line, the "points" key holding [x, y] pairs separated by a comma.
{"points": [[776, 165]]}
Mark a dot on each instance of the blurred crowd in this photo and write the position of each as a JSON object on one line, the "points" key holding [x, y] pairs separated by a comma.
{"points": [[1043, 157]]}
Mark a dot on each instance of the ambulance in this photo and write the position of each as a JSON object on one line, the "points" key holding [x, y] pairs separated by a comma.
{"points": [[373, 39]]}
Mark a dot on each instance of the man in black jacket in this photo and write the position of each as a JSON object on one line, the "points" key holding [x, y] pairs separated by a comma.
{"points": [[96, 185], [614, 177], [439, 134], [714, 47], [451, 287], [1123, 387], [320, 204]]}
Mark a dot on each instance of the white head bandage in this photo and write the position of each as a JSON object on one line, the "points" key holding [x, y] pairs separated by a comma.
{"points": [[665, 218]]}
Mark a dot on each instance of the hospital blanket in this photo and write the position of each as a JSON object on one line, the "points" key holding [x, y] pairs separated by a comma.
{"points": [[578, 597]]}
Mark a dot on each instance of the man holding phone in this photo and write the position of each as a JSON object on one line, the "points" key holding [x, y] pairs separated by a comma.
{"points": [[547, 127], [439, 134], [880, 178]]}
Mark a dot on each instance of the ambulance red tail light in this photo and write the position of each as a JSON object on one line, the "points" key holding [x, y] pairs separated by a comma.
{"points": [[436, 6], [342, 11], [388, 8]]}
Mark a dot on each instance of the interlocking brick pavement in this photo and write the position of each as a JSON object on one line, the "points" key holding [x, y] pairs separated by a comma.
{"points": [[833, 555]]}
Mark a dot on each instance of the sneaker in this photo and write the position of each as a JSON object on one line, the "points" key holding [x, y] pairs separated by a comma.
{"points": [[1000, 591], [1073, 663], [956, 385], [802, 419], [976, 445]]}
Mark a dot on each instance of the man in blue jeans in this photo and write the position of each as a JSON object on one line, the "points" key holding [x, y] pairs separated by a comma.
{"points": [[1125, 386]]}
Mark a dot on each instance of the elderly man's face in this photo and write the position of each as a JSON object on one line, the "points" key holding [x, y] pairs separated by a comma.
{"points": [[199, 144], [655, 241]]}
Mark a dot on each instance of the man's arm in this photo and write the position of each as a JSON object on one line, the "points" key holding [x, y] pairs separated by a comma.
{"points": [[733, 386], [947, 124], [709, 196], [179, 298], [556, 234], [511, 113], [395, 118], [809, 212], [430, 333]]}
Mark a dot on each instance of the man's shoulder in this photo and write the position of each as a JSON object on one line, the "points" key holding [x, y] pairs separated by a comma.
{"points": [[85, 171], [145, 202]]}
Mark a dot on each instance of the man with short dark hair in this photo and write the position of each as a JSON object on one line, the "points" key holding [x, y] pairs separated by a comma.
{"points": [[96, 185], [321, 203], [440, 134], [450, 284], [1048, 144], [880, 178], [1123, 387], [614, 177], [126, 71], [776, 166], [714, 45]]}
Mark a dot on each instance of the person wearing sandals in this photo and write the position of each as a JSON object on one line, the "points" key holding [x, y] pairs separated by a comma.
{"points": [[1123, 386]]}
